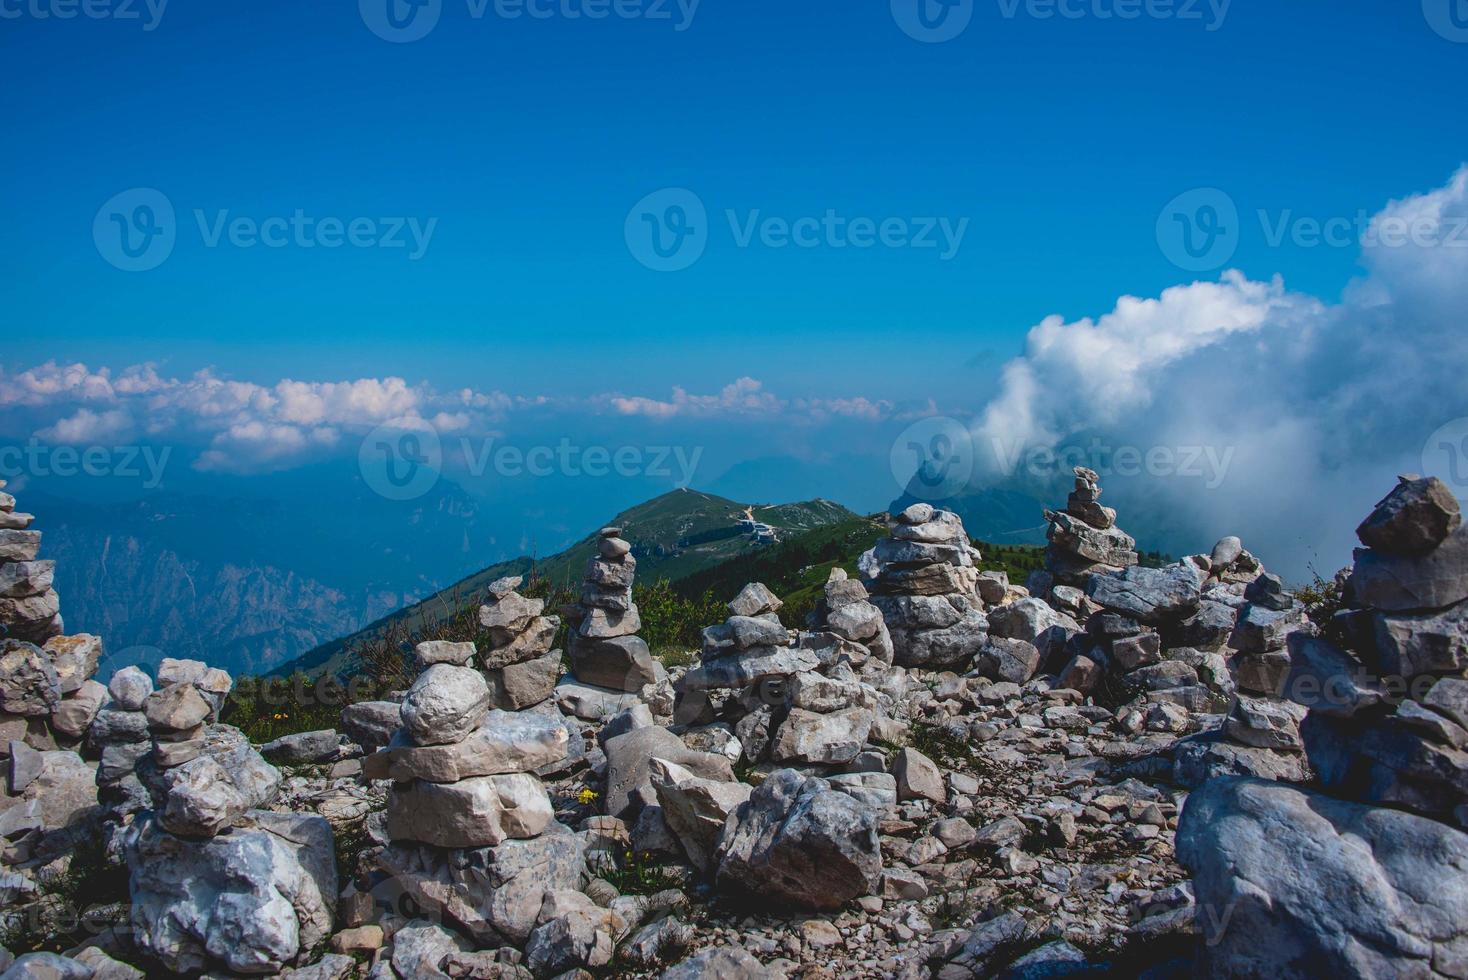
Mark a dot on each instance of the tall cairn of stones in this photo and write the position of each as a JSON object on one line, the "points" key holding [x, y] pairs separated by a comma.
{"points": [[1389, 725], [471, 828], [521, 667], [791, 698], [29, 607], [604, 648], [924, 580], [217, 880], [1084, 540], [845, 609], [1369, 877]]}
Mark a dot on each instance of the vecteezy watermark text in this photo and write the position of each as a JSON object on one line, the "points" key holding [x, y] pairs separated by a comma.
{"points": [[405, 21], [37, 459], [1201, 230], [668, 230], [1207, 463], [403, 460], [137, 230], [148, 13]]}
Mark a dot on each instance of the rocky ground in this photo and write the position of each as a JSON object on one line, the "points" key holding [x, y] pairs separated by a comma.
{"points": [[1112, 770]]}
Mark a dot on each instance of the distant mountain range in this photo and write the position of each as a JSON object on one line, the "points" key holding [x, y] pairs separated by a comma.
{"points": [[674, 537]]}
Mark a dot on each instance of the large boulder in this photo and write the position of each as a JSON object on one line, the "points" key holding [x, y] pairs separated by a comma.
{"points": [[29, 684], [477, 812], [1401, 583], [832, 738], [695, 808], [445, 704], [507, 742], [1149, 595], [495, 893], [1302, 885], [629, 767], [252, 900], [1413, 519], [798, 842]]}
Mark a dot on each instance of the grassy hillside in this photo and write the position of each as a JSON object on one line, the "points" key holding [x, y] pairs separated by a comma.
{"points": [[674, 537]]}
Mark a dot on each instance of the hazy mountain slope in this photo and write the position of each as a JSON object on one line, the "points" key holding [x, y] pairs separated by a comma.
{"points": [[674, 536]]}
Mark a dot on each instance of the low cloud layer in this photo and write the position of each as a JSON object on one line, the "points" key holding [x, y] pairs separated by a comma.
{"points": [[245, 427], [1314, 406]]}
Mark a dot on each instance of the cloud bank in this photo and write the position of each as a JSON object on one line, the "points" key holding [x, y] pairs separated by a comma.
{"points": [[245, 427], [1316, 406]]}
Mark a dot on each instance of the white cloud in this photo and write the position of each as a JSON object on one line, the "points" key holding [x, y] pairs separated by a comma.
{"points": [[86, 426], [745, 396], [1320, 405]]}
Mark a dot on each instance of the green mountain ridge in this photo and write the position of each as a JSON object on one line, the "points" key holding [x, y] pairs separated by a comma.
{"points": [[674, 537]]}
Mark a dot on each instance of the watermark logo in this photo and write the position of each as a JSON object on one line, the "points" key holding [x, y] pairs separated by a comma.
{"points": [[1198, 231], [668, 230], [933, 458], [149, 13], [1208, 464], [135, 231], [404, 21], [401, 459], [1210, 13], [1445, 455], [933, 21], [1449, 18], [400, 21], [36, 459]]}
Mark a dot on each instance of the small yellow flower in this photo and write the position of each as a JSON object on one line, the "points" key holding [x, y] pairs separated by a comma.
{"points": [[586, 797]]}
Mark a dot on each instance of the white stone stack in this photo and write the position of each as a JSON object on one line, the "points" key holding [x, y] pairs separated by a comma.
{"points": [[604, 648], [29, 607], [790, 698], [924, 580], [462, 773], [1084, 539], [466, 809], [518, 660], [217, 880]]}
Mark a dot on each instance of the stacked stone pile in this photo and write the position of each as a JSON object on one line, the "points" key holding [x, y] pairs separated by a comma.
{"points": [[1372, 879], [791, 698], [217, 881], [845, 609], [923, 579], [29, 607], [471, 827], [120, 736], [604, 648], [1084, 539], [520, 665], [47, 696], [1388, 722]]}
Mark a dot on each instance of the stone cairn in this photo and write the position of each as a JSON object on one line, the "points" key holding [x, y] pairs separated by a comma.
{"points": [[47, 696], [604, 648], [1388, 722], [924, 580], [521, 667], [216, 879], [845, 609], [1084, 540], [803, 699], [48, 700], [466, 813], [29, 606], [1339, 875]]}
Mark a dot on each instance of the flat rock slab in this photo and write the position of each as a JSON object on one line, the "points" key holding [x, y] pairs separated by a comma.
{"points": [[1303, 885]]}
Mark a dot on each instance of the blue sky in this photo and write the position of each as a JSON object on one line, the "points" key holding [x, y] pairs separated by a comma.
{"points": [[529, 139], [1064, 155]]}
